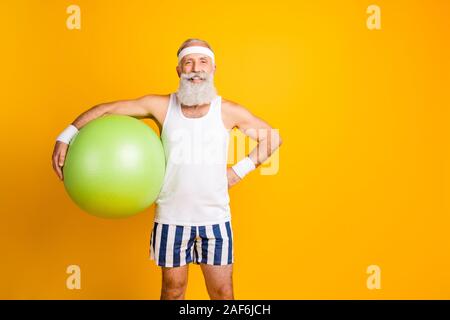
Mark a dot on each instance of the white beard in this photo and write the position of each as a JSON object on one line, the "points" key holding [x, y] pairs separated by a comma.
{"points": [[192, 94]]}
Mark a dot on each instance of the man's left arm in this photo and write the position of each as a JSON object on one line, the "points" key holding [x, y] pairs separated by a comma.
{"points": [[268, 140]]}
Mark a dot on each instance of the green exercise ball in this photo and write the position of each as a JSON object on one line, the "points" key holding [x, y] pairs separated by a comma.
{"points": [[114, 167]]}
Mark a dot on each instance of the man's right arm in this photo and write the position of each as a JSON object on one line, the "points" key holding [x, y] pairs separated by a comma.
{"points": [[143, 107]]}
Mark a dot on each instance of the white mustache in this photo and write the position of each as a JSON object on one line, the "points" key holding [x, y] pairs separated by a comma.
{"points": [[192, 75]]}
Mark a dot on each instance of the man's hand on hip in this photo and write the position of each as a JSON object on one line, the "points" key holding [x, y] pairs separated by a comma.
{"points": [[233, 178]]}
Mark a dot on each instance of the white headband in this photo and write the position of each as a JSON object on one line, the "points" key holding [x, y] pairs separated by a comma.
{"points": [[195, 49]]}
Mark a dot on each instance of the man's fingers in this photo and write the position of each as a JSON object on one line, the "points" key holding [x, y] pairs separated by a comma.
{"points": [[55, 164], [62, 157], [57, 167], [59, 171]]}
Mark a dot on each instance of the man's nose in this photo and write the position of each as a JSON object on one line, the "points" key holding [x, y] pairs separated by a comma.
{"points": [[196, 67]]}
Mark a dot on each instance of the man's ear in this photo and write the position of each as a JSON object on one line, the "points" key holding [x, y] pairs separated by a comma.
{"points": [[215, 67], [178, 71]]}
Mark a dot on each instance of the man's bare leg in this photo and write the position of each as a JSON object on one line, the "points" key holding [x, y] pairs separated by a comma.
{"points": [[174, 283], [219, 281]]}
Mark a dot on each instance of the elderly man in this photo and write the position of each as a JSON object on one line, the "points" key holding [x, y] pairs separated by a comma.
{"points": [[192, 219]]}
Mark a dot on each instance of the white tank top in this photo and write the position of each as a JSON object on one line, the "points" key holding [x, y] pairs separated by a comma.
{"points": [[195, 187]]}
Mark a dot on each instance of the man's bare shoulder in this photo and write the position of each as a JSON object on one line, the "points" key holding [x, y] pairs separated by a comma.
{"points": [[155, 105], [233, 113], [157, 100], [231, 107], [234, 109]]}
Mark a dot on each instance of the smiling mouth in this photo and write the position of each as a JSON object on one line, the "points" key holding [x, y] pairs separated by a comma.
{"points": [[195, 79]]}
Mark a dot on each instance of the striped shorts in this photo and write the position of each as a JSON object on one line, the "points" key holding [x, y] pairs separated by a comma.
{"points": [[175, 246]]}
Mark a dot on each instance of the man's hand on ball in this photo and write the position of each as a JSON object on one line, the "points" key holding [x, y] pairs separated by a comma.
{"points": [[233, 178], [58, 157]]}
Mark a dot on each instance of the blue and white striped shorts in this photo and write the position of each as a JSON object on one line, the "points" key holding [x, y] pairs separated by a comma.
{"points": [[174, 245]]}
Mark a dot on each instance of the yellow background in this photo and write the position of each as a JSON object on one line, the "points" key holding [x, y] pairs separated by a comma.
{"points": [[364, 173]]}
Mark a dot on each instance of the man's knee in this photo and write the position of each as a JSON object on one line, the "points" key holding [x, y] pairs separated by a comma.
{"points": [[173, 288], [222, 292]]}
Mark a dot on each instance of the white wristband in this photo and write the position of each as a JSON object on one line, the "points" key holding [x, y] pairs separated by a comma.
{"points": [[243, 167], [67, 134]]}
